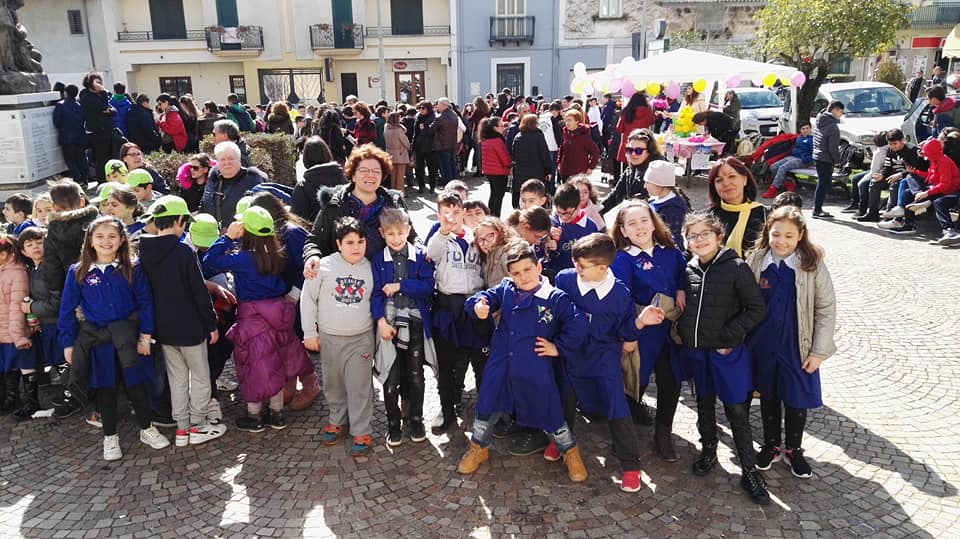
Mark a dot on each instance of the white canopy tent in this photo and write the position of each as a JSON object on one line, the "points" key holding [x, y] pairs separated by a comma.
{"points": [[951, 48], [685, 65]]}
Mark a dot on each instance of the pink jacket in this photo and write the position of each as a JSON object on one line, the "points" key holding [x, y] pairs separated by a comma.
{"points": [[14, 286]]}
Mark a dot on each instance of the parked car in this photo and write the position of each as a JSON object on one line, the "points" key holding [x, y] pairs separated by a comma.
{"points": [[760, 111], [917, 120], [870, 107]]}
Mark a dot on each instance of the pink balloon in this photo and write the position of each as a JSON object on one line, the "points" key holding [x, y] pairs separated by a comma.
{"points": [[615, 84], [627, 90], [733, 81], [797, 79], [673, 90]]}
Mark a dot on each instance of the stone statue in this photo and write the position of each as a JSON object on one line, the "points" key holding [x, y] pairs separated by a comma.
{"points": [[20, 69]]}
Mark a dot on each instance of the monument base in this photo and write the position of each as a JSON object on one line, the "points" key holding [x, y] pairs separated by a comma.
{"points": [[15, 82], [29, 151]]}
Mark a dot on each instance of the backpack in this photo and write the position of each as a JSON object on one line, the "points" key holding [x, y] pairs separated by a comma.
{"points": [[851, 158]]}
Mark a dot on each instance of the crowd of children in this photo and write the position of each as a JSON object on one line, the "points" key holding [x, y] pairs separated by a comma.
{"points": [[554, 316]]}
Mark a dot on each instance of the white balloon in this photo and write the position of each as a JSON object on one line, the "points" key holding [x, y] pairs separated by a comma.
{"points": [[627, 60], [579, 69]]}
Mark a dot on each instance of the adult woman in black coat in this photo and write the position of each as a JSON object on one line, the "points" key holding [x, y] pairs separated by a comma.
{"points": [[531, 157], [328, 128], [423, 147], [640, 149], [98, 120], [322, 171]]}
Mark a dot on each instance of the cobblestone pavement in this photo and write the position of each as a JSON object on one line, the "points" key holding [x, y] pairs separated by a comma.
{"points": [[884, 449]]}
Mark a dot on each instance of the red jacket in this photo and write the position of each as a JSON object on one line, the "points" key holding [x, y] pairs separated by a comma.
{"points": [[172, 124], [643, 117], [943, 175], [578, 153], [365, 132], [494, 157]]}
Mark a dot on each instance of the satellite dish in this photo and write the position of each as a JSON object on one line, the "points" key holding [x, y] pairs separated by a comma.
{"points": [[658, 29]]}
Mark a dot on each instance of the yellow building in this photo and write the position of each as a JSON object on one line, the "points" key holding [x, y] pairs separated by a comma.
{"points": [[296, 50]]}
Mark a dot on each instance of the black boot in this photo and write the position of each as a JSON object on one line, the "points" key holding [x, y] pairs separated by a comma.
{"points": [[663, 443], [31, 396], [706, 461], [11, 401]]}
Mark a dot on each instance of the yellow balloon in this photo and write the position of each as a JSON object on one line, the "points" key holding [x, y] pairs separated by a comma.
{"points": [[784, 82], [653, 89], [578, 86], [700, 85], [605, 85], [769, 80]]}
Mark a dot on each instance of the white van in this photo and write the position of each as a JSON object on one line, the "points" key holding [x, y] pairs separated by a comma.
{"points": [[870, 107]]}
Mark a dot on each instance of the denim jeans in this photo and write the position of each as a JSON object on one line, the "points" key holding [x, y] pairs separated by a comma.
{"points": [[855, 186], [448, 166], [942, 205], [781, 167], [483, 433], [824, 182], [909, 187]]}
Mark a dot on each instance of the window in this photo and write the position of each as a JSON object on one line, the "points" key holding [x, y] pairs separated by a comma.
{"points": [[238, 86], [839, 63], [511, 7], [510, 76], [75, 22], [176, 86], [610, 9]]}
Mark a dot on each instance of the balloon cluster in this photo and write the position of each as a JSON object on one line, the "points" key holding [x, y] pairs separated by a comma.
{"points": [[683, 126]]}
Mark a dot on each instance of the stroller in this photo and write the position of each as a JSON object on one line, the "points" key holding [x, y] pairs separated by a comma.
{"points": [[768, 153]]}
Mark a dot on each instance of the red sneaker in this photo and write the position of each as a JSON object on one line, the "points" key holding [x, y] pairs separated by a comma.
{"points": [[789, 185], [771, 192], [551, 453], [630, 481]]}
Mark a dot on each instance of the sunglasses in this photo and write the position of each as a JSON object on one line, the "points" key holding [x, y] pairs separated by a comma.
{"points": [[195, 167], [634, 150]]}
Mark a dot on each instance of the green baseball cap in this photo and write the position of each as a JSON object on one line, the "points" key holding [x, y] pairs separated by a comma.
{"points": [[204, 230], [168, 206], [114, 165], [139, 177], [257, 221], [104, 191], [242, 206]]}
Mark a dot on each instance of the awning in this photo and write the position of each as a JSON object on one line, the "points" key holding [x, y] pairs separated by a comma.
{"points": [[951, 46]]}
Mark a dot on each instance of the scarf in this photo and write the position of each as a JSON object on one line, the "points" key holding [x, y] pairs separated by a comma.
{"points": [[735, 240]]}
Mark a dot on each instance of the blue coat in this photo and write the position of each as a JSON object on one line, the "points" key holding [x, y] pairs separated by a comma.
{"points": [[516, 380], [104, 297], [123, 106], [418, 285], [68, 119], [294, 238], [250, 284], [569, 233], [594, 372], [673, 211]]}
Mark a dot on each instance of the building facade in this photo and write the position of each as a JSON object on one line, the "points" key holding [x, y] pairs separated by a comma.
{"points": [[296, 50]]}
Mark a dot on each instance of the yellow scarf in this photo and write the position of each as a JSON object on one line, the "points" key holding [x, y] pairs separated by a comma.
{"points": [[735, 239]]}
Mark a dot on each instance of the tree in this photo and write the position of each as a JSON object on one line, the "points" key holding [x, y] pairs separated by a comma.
{"points": [[889, 72], [803, 34]]}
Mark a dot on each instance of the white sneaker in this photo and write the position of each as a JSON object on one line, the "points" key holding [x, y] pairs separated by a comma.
{"points": [[919, 207], [111, 448], [890, 225], [897, 211], [152, 437], [182, 438], [950, 238], [204, 433], [214, 412], [226, 384]]}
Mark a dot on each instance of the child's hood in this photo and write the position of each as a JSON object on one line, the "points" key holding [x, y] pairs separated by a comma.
{"points": [[932, 149], [89, 211], [946, 105], [154, 250]]}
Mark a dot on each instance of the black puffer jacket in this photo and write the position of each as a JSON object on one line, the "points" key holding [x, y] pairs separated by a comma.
{"points": [[61, 247], [630, 185], [305, 200], [724, 302], [531, 158]]}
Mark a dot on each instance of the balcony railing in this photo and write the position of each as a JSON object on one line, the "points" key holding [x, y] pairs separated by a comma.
{"points": [[507, 28], [336, 36], [241, 38], [942, 14], [387, 31], [192, 35]]}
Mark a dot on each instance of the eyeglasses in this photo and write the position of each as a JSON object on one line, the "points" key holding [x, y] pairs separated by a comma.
{"points": [[134, 154], [369, 172], [581, 266], [705, 235], [487, 238], [635, 150], [566, 214]]}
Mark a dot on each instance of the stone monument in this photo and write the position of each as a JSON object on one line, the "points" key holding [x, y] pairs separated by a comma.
{"points": [[29, 151]]}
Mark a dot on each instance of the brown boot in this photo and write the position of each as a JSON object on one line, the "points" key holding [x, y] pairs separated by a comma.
{"points": [[575, 467], [305, 397], [473, 458]]}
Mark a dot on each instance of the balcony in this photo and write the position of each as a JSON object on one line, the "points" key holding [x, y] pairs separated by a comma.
{"points": [[944, 14], [511, 28], [242, 40], [130, 37], [339, 36], [387, 31]]}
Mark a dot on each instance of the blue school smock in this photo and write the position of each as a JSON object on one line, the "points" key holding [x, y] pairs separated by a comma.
{"points": [[646, 273], [294, 238], [726, 376], [594, 371], [47, 345], [106, 296], [12, 359], [249, 284], [516, 380], [774, 345], [561, 259], [418, 285]]}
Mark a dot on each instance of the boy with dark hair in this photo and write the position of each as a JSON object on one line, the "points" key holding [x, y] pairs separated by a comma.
{"points": [[537, 323], [569, 223], [120, 101], [801, 156], [185, 319], [945, 111], [141, 182], [533, 192], [16, 211], [335, 309], [459, 274], [66, 226], [239, 115], [901, 159]]}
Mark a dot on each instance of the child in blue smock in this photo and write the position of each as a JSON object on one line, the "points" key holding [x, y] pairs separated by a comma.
{"points": [[723, 304], [112, 343], [594, 371], [568, 224], [795, 337], [652, 268], [538, 323]]}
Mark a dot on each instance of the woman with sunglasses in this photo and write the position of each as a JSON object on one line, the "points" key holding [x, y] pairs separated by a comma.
{"points": [[192, 176], [639, 151], [636, 114]]}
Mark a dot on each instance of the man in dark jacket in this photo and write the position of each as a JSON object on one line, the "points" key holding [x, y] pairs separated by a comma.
{"points": [[720, 126], [914, 86], [444, 130], [98, 121], [826, 153], [607, 113], [68, 119], [141, 126], [228, 182]]}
